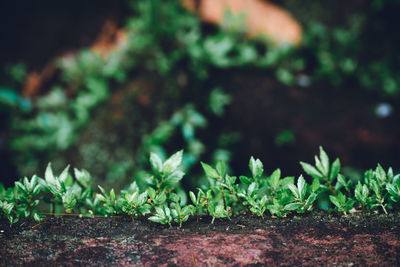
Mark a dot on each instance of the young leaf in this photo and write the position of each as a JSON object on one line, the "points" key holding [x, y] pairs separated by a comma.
{"points": [[48, 175], [293, 206], [221, 167], [152, 192], [294, 190], [156, 219], [64, 174], [335, 201], [274, 178], [193, 197], [380, 173], [210, 171], [172, 163], [310, 170], [335, 169], [315, 185], [251, 188], [256, 167], [156, 162], [324, 160], [245, 180], [175, 177], [301, 186]]}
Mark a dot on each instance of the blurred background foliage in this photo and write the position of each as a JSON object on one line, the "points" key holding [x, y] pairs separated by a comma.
{"points": [[171, 82]]}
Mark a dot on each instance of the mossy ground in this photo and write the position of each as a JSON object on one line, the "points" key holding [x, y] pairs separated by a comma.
{"points": [[320, 239]]}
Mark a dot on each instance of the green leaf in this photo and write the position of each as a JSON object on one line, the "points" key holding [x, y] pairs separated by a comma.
{"points": [[310, 170], [293, 206], [64, 174], [341, 180], [349, 205], [84, 177], [142, 198], [160, 199], [311, 198], [112, 194], [324, 160], [319, 166], [175, 177], [294, 190], [251, 188], [48, 175], [156, 162], [193, 197], [245, 180], [380, 173], [315, 185], [167, 211], [172, 163], [102, 190], [256, 167], [286, 181], [335, 169], [376, 188], [100, 197], [37, 217], [301, 186], [221, 167], [335, 201], [274, 178], [156, 219], [210, 171], [358, 192], [152, 192]]}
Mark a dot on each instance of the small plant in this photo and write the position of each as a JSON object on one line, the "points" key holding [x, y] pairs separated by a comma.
{"points": [[110, 202], [27, 191], [7, 209], [361, 194], [134, 204], [166, 174], [162, 215], [323, 171], [394, 189], [199, 202], [166, 203], [180, 214], [341, 202], [219, 211], [304, 196]]}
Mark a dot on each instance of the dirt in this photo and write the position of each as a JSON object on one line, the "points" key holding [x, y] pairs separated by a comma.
{"points": [[243, 241]]}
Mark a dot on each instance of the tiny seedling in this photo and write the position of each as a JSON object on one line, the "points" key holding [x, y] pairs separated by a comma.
{"points": [[342, 203], [162, 215]]}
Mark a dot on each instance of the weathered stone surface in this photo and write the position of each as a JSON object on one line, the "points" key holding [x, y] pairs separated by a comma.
{"points": [[308, 241]]}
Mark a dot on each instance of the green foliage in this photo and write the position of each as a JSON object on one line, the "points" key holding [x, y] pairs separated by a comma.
{"points": [[341, 202], [7, 209], [134, 204], [166, 174], [162, 215], [164, 202]]}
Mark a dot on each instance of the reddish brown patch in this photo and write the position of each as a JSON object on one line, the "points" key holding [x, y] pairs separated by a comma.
{"points": [[261, 17], [275, 242]]}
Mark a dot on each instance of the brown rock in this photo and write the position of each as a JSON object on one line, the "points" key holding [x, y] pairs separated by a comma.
{"points": [[261, 17]]}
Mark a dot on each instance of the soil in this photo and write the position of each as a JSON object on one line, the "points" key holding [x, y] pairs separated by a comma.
{"points": [[320, 239]]}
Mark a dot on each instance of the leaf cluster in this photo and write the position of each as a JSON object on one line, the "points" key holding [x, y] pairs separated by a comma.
{"points": [[163, 201]]}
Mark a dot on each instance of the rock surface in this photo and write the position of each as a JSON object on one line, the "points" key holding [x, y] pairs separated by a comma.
{"points": [[307, 241]]}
